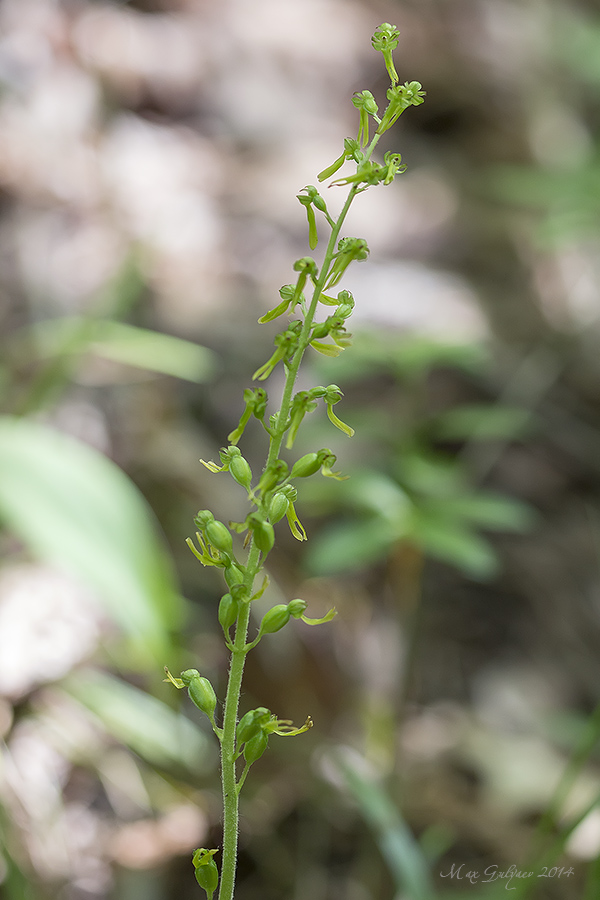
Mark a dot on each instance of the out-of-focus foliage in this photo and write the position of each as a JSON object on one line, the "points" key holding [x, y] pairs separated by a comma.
{"points": [[149, 168], [416, 492]]}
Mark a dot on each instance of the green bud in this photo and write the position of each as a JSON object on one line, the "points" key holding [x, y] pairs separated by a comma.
{"points": [[234, 574], [228, 612], [241, 471], [275, 619], [207, 874], [273, 474], [251, 723], [201, 691], [385, 40], [219, 536], [263, 533], [278, 507], [296, 608], [307, 465], [202, 518], [255, 747]]}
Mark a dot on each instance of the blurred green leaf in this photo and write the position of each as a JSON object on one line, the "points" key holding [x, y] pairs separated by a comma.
{"points": [[425, 473], [564, 199], [397, 844], [348, 546], [143, 723], [377, 492], [486, 510], [406, 355], [76, 509], [126, 344], [454, 544], [482, 421]]}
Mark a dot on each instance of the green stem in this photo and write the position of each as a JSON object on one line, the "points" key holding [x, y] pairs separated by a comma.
{"points": [[231, 788], [228, 743]]}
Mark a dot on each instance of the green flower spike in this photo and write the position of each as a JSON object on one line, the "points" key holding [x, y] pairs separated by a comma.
{"points": [[207, 874], [364, 101], [385, 40]]}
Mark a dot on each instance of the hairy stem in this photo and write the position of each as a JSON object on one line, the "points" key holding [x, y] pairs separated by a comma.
{"points": [[228, 743], [238, 654]]}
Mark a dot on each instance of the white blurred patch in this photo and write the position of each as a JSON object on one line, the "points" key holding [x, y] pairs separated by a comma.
{"points": [[409, 295], [584, 843], [48, 623]]}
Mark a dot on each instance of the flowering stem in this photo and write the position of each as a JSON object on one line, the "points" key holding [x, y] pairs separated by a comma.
{"points": [[228, 743], [274, 495]]}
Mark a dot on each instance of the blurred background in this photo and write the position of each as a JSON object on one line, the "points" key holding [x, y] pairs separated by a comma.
{"points": [[150, 154]]}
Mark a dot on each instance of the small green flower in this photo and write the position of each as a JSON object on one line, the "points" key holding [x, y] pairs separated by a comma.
{"points": [[200, 691], [348, 250], [256, 404], [385, 40], [207, 874], [312, 198], [286, 344], [302, 404], [364, 101], [400, 97], [229, 609]]}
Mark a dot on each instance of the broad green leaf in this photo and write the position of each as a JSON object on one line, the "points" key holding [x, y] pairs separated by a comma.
{"points": [[143, 723], [483, 421], [74, 508], [491, 511], [456, 545], [126, 344], [425, 473], [348, 546], [379, 494]]}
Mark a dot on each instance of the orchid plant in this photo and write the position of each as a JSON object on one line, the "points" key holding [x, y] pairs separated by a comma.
{"points": [[271, 496]]}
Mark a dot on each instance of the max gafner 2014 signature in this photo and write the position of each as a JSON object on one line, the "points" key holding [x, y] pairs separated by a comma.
{"points": [[495, 873]]}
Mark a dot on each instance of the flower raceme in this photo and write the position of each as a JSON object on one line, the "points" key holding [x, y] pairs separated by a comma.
{"points": [[270, 495]]}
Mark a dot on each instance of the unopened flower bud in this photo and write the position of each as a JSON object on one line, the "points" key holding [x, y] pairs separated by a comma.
{"points": [[275, 619], [202, 518], [240, 470], [251, 723], [234, 574], [278, 507], [219, 536], [200, 690], [255, 747], [296, 608], [307, 465], [228, 612]]}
